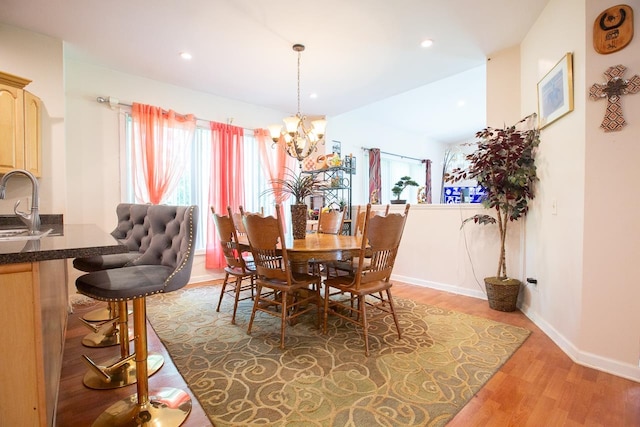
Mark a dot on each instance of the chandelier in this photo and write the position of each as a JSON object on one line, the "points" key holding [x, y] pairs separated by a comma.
{"points": [[300, 139]]}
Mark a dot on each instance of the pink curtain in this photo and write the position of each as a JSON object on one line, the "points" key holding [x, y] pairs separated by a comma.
{"points": [[375, 178], [227, 183], [161, 149], [274, 160], [427, 181]]}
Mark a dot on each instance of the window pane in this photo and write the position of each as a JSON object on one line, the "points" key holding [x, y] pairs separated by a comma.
{"points": [[193, 188], [394, 168]]}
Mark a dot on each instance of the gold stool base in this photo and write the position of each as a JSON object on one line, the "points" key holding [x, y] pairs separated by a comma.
{"points": [[167, 407], [98, 340], [124, 376], [101, 314]]}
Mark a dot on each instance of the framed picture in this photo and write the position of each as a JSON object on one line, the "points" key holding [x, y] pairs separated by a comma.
{"points": [[555, 92]]}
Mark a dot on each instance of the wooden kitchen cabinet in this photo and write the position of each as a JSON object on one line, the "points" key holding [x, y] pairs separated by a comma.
{"points": [[32, 335], [20, 128]]}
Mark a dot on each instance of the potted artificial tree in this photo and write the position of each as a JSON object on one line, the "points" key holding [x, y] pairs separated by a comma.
{"points": [[399, 187], [503, 164], [300, 186]]}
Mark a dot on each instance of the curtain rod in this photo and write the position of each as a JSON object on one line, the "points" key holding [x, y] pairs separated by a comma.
{"points": [[396, 155], [114, 102]]}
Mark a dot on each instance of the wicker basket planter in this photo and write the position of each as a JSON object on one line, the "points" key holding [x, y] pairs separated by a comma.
{"points": [[502, 293]]}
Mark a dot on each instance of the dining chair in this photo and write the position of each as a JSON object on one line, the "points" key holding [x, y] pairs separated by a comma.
{"points": [[237, 219], [291, 294], [358, 227], [239, 273], [349, 264], [240, 231], [330, 222], [370, 282]]}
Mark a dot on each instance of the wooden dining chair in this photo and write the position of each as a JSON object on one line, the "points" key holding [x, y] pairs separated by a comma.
{"points": [[237, 219], [240, 231], [370, 285], [239, 273], [358, 227], [348, 265], [293, 294], [330, 222]]}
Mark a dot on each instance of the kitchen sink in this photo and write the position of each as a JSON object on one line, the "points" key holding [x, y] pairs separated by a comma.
{"points": [[18, 234]]}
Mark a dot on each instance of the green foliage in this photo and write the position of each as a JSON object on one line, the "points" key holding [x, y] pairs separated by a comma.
{"points": [[298, 185], [403, 183], [504, 165]]}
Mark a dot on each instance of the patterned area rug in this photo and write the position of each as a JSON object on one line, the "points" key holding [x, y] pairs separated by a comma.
{"points": [[442, 360]]}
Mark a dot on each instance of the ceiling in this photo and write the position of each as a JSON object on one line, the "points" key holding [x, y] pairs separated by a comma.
{"points": [[358, 52]]}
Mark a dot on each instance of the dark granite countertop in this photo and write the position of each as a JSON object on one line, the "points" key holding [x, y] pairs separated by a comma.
{"points": [[64, 241]]}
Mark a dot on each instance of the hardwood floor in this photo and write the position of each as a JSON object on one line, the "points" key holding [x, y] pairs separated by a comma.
{"points": [[538, 386]]}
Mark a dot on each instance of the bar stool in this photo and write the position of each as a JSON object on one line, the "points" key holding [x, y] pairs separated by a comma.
{"points": [[103, 322], [132, 231], [164, 267]]}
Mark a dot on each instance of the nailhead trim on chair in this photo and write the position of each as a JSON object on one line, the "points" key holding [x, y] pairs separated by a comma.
{"points": [[189, 247]]}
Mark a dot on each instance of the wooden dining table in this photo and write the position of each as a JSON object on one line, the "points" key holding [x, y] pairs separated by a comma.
{"points": [[317, 247]]}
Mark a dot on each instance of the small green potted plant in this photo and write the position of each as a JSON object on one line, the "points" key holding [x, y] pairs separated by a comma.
{"points": [[299, 186], [399, 187], [504, 165]]}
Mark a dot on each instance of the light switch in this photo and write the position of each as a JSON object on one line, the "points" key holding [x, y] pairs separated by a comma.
{"points": [[554, 207]]}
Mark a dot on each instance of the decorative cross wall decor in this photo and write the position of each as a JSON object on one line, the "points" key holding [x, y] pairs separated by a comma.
{"points": [[615, 87]]}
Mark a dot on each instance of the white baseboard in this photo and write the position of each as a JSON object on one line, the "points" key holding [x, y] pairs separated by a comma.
{"points": [[205, 277], [580, 357], [440, 286]]}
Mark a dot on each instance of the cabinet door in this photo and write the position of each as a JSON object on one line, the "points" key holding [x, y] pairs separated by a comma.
{"points": [[32, 134], [11, 128]]}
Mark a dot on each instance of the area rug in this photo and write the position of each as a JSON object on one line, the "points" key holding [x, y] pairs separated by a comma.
{"points": [[423, 379]]}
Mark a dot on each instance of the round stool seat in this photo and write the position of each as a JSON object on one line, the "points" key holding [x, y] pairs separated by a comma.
{"points": [[124, 283]]}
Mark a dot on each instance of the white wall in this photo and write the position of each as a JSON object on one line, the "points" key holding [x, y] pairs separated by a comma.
{"points": [[610, 333], [503, 88], [39, 58], [436, 253], [555, 241], [355, 131], [583, 255]]}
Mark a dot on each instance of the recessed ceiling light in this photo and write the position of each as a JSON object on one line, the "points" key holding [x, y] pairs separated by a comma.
{"points": [[185, 55], [313, 96], [461, 103], [426, 43]]}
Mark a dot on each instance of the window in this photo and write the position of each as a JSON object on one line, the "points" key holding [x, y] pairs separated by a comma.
{"points": [[392, 168], [193, 188]]}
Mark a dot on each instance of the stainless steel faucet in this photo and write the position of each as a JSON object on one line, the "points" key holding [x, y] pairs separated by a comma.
{"points": [[31, 220]]}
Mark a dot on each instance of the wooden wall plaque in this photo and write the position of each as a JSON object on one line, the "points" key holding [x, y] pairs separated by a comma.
{"points": [[613, 29]]}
